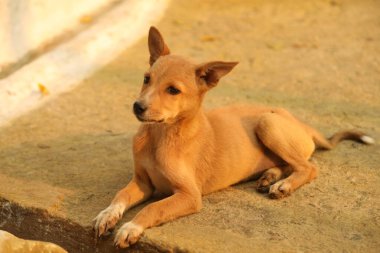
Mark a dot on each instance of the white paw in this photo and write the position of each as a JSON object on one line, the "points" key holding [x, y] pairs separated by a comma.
{"points": [[280, 189], [108, 218], [128, 234]]}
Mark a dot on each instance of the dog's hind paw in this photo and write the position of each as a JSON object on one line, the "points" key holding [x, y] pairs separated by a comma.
{"points": [[268, 178], [280, 189], [265, 182]]}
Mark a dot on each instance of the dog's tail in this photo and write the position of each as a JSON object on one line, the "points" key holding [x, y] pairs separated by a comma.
{"points": [[323, 143]]}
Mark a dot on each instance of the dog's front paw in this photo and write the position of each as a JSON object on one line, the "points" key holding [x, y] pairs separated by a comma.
{"points": [[280, 189], [107, 219], [128, 234]]}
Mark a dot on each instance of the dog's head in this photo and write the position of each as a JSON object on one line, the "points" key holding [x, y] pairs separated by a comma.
{"points": [[173, 87]]}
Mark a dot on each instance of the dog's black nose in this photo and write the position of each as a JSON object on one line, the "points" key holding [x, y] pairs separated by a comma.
{"points": [[138, 109]]}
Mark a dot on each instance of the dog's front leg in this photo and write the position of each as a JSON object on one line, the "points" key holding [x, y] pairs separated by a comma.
{"points": [[137, 191], [179, 204]]}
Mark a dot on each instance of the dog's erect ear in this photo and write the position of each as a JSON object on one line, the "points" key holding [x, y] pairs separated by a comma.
{"points": [[157, 46], [211, 72]]}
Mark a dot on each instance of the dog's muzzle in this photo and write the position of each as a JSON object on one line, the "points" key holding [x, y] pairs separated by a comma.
{"points": [[138, 109]]}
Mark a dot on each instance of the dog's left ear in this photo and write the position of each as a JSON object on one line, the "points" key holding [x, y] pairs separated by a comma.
{"points": [[210, 73], [157, 46]]}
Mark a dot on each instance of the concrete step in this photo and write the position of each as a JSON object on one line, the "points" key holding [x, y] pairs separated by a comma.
{"points": [[61, 164]]}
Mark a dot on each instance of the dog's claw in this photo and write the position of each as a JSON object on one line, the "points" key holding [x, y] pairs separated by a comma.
{"points": [[126, 239], [105, 228]]}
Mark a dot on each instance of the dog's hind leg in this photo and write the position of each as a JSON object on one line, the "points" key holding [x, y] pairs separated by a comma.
{"points": [[291, 142], [271, 176]]}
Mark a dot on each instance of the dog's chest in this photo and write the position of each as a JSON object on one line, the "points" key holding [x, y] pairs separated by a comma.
{"points": [[157, 174]]}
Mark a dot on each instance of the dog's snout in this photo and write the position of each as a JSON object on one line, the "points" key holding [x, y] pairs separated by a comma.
{"points": [[138, 108]]}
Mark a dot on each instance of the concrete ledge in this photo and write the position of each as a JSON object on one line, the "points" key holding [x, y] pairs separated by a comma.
{"points": [[37, 224]]}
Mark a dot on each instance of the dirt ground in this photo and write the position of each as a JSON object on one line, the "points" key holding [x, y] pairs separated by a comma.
{"points": [[319, 59]]}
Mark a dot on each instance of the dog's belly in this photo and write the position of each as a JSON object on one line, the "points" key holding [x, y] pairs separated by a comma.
{"points": [[240, 154]]}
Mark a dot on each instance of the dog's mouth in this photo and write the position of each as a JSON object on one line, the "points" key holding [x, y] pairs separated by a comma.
{"points": [[152, 121]]}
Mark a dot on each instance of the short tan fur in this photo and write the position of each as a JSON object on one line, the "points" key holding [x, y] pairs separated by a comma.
{"points": [[184, 152]]}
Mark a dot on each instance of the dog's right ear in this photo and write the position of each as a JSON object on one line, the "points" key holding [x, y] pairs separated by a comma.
{"points": [[157, 46]]}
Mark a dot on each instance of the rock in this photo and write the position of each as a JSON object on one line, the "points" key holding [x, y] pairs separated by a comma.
{"points": [[12, 244]]}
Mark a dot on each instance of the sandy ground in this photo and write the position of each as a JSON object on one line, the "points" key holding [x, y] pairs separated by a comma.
{"points": [[319, 59]]}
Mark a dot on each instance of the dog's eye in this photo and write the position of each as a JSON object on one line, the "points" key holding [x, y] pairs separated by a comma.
{"points": [[173, 91], [146, 79]]}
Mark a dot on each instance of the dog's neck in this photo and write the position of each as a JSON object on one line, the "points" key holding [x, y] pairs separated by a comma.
{"points": [[183, 129]]}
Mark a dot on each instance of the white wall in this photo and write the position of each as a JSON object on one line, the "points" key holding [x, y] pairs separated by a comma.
{"points": [[29, 24], [68, 63]]}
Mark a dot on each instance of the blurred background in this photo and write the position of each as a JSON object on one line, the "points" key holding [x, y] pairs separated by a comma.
{"points": [[30, 26]]}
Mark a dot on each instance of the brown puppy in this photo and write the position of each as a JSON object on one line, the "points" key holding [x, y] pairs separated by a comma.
{"points": [[183, 152]]}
